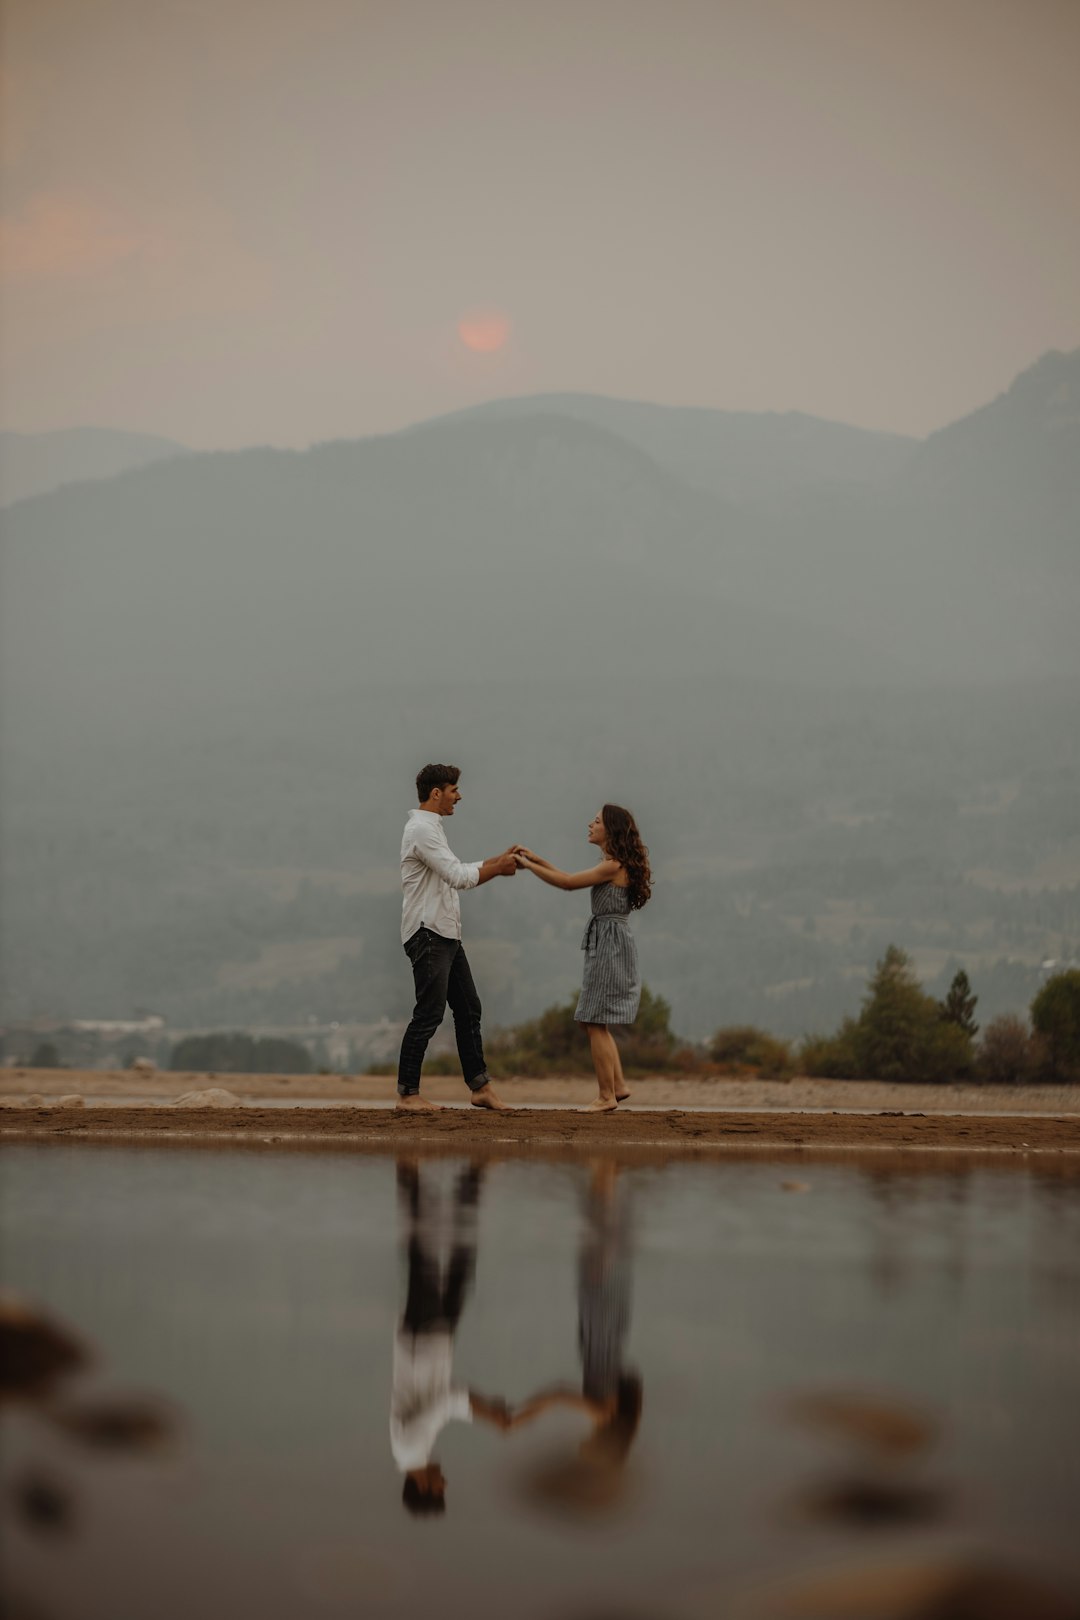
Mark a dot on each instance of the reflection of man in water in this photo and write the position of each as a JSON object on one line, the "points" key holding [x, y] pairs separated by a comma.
{"points": [[441, 1247], [611, 1393]]}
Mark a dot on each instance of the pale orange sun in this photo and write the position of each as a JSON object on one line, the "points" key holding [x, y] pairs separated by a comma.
{"points": [[484, 331]]}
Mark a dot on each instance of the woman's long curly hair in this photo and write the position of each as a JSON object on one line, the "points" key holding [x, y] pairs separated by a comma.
{"points": [[624, 845]]}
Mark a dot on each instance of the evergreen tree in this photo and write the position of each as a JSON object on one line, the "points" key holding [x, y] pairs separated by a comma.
{"points": [[959, 1005], [900, 1033]]}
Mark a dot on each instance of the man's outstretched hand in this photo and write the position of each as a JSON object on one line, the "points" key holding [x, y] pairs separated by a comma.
{"points": [[504, 865], [491, 1411]]}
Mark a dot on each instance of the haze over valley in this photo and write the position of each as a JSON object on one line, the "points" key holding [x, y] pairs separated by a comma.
{"points": [[835, 674]]}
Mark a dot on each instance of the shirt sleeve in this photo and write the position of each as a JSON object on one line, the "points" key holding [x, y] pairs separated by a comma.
{"points": [[459, 1405], [434, 853]]}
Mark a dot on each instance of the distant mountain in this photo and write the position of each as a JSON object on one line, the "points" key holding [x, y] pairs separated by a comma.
{"points": [[745, 457], [959, 555], [476, 549], [538, 543], [34, 463], [1011, 470]]}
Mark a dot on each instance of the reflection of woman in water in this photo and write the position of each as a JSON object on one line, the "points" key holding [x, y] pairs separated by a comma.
{"points": [[611, 1393], [611, 987]]}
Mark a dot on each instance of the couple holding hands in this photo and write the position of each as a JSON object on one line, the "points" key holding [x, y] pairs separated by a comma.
{"points": [[431, 877]]}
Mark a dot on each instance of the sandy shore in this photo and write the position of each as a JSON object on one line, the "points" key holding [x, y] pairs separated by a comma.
{"points": [[661, 1091], [796, 1118]]}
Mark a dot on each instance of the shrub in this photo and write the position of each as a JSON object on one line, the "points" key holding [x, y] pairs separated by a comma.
{"points": [[44, 1056], [831, 1057], [555, 1043], [1055, 1013], [441, 1063], [240, 1054], [1009, 1054], [551, 1044], [648, 1043], [743, 1046]]}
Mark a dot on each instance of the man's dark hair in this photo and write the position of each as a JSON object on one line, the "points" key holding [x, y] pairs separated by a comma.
{"points": [[435, 776], [421, 1503]]}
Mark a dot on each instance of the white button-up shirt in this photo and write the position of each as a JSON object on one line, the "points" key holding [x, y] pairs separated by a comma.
{"points": [[424, 1396], [431, 875]]}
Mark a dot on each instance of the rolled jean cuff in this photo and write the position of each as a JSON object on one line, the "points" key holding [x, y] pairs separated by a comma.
{"points": [[479, 1081]]}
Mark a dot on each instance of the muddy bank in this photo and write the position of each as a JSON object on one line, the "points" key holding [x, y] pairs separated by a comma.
{"points": [[1045, 1137]]}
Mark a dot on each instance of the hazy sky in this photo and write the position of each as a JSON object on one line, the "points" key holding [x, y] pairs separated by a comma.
{"points": [[241, 221]]}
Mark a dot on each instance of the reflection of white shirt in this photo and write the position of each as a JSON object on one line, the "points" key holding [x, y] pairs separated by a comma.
{"points": [[431, 877], [423, 1401]]}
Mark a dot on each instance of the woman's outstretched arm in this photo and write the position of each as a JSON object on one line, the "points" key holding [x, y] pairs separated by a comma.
{"points": [[543, 1402], [567, 880]]}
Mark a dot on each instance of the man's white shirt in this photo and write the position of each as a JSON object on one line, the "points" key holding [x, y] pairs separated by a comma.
{"points": [[431, 876], [424, 1397]]}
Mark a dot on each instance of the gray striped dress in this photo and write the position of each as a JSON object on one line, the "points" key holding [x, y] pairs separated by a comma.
{"points": [[611, 987]]}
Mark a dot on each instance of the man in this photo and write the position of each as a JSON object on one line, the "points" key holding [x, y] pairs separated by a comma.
{"points": [[431, 934], [441, 1248]]}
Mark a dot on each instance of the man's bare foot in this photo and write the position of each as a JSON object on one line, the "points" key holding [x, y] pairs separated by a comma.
{"points": [[415, 1104], [601, 1105], [487, 1097]]}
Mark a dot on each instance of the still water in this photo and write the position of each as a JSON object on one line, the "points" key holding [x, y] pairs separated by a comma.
{"points": [[588, 1389]]}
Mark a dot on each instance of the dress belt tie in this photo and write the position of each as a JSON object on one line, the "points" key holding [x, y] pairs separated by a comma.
{"points": [[594, 923]]}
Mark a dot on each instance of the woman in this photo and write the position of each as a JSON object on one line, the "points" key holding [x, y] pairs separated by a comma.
{"points": [[611, 989]]}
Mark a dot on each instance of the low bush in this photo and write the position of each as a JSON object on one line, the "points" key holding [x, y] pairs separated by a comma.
{"points": [[556, 1044], [1009, 1053], [737, 1047], [831, 1057], [240, 1054], [44, 1056]]}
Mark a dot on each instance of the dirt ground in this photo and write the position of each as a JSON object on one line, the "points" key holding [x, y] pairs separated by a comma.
{"points": [[790, 1118], [661, 1091]]}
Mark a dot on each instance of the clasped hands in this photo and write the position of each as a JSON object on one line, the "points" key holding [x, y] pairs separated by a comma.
{"points": [[515, 859], [499, 1412]]}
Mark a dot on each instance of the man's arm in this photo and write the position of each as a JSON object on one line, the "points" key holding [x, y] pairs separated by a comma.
{"points": [[433, 851], [504, 865], [489, 1410]]}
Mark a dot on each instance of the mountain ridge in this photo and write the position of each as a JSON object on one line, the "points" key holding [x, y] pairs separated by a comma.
{"points": [[37, 463]]}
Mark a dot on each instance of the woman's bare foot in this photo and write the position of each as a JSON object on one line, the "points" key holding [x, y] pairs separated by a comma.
{"points": [[601, 1105], [415, 1104], [623, 1095], [487, 1097]]}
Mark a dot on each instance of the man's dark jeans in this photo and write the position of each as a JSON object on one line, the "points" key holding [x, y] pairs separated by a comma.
{"points": [[442, 976], [436, 1297]]}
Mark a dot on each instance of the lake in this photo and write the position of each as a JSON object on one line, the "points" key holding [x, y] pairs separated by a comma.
{"points": [[367, 1387]]}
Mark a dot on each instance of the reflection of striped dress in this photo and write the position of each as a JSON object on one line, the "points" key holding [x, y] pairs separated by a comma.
{"points": [[604, 1294], [611, 988]]}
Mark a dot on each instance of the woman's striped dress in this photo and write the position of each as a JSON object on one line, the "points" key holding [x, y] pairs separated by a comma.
{"points": [[611, 988]]}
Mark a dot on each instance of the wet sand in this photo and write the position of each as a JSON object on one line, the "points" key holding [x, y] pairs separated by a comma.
{"points": [[665, 1116]]}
